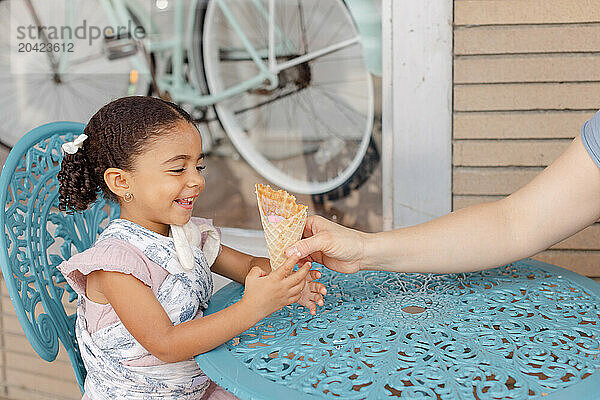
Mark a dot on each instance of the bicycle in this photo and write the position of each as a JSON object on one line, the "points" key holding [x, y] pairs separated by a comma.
{"points": [[290, 81]]}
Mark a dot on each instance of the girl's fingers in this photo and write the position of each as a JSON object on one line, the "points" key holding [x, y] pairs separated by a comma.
{"points": [[314, 274], [298, 290], [300, 275], [287, 267], [312, 307], [296, 298], [317, 287], [317, 298], [256, 272], [305, 260]]}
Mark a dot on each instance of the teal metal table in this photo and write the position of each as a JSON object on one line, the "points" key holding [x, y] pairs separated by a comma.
{"points": [[526, 330]]}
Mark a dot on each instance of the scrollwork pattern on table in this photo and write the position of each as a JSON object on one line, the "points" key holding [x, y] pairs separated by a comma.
{"points": [[516, 331]]}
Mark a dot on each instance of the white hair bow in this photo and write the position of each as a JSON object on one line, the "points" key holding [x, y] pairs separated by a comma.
{"points": [[72, 147]]}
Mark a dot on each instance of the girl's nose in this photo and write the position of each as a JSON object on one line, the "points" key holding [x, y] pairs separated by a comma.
{"points": [[197, 180]]}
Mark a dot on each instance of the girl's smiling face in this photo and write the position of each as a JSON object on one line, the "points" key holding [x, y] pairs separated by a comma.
{"points": [[166, 180]]}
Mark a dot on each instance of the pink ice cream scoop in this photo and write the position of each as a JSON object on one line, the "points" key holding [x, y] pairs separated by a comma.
{"points": [[274, 218]]}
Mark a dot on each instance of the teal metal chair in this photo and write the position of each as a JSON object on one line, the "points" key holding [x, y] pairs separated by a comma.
{"points": [[37, 237]]}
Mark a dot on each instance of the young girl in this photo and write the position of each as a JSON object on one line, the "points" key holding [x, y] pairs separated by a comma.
{"points": [[141, 292]]}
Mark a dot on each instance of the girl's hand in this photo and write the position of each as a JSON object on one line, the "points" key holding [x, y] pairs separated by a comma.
{"points": [[267, 293], [312, 294]]}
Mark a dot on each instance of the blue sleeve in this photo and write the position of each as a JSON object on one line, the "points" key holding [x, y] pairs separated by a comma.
{"points": [[590, 136]]}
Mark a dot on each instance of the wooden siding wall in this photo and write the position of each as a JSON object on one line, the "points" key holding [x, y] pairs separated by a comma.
{"points": [[526, 77]]}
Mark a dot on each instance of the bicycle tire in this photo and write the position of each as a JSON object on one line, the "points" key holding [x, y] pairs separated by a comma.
{"points": [[336, 185], [366, 168]]}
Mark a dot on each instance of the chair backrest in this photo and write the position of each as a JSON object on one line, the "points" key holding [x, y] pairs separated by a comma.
{"points": [[36, 237]]}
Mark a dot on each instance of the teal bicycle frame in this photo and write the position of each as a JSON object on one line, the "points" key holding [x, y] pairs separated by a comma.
{"points": [[364, 13]]}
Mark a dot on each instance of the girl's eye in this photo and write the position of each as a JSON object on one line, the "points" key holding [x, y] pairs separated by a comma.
{"points": [[199, 168]]}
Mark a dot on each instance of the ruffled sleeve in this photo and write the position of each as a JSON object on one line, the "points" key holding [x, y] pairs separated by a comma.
{"points": [[108, 255], [590, 137]]}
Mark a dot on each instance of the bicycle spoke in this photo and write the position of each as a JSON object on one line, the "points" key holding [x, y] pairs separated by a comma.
{"points": [[83, 60], [64, 99], [311, 17], [322, 60], [100, 87], [90, 84], [302, 29], [343, 92], [325, 19], [349, 112], [42, 90], [338, 101], [339, 82], [334, 35], [311, 103], [260, 28], [327, 171], [318, 118], [255, 125], [289, 117], [266, 102], [56, 109]]}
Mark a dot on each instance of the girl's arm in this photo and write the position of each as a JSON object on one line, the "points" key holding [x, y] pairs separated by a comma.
{"points": [[559, 202], [144, 317], [236, 265]]}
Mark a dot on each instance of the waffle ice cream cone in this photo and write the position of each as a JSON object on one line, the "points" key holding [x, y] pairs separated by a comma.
{"points": [[282, 219]]}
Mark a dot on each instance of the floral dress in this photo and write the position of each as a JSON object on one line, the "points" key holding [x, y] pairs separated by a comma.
{"points": [[109, 353]]}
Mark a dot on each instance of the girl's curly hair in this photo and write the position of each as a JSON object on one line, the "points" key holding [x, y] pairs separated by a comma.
{"points": [[117, 133]]}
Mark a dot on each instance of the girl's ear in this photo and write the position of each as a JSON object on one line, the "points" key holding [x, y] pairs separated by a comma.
{"points": [[117, 181]]}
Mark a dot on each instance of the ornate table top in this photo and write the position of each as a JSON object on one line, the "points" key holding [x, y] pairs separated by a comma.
{"points": [[526, 330]]}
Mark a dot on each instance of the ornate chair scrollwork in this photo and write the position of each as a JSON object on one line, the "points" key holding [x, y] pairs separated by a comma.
{"points": [[37, 237]]}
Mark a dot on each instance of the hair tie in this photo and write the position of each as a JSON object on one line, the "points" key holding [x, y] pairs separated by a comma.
{"points": [[72, 147]]}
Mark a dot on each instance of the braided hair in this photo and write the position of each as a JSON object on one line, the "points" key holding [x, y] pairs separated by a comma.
{"points": [[117, 133]]}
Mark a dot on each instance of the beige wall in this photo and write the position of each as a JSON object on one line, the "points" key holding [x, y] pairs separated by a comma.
{"points": [[526, 76]]}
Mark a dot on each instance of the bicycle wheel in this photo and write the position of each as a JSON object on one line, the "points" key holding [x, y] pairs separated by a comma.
{"points": [[309, 134], [37, 95]]}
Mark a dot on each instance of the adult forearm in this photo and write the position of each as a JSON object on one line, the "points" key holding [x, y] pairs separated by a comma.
{"points": [[557, 203], [469, 239]]}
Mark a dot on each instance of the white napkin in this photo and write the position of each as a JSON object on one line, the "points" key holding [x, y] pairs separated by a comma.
{"points": [[190, 234]]}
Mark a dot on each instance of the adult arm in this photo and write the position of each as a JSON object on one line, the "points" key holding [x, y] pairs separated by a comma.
{"points": [[559, 202]]}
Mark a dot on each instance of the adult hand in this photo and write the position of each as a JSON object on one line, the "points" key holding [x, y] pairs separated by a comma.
{"points": [[338, 248]]}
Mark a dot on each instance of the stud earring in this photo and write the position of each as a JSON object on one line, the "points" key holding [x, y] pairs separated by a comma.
{"points": [[128, 197]]}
